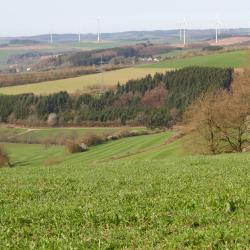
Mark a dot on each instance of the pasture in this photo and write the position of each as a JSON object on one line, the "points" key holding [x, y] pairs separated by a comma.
{"points": [[133, 193], [81, 84], [234, 59]]}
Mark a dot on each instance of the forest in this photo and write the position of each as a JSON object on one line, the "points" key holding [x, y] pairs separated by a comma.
{"points": [[153, 101]]}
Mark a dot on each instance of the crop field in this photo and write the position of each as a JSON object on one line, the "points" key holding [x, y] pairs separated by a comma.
{"points": [[235, 59], [83, 83], [133, 193]]}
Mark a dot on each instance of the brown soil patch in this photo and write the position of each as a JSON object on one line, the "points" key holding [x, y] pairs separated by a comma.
{"points": [[231, 41]]}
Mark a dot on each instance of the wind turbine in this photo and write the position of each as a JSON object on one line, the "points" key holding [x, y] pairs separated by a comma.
{"points": [[184, 31], [217, 29], [180, 32], [79, 37], [99, 27], [51, 38]]}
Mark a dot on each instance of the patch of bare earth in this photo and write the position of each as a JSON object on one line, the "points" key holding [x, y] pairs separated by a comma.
{"points": [[230, 40]]}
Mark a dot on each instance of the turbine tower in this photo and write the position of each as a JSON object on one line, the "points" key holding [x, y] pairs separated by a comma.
{"points": [[217, 29], [180, 32], [51, 38], [216, 34], [99, 27], [184, 32], [79, 37]]}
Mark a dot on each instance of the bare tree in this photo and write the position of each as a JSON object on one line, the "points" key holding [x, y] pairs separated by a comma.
{"points": [[222, 118]]}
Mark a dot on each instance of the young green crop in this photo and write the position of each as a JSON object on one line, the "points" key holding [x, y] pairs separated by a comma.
{"points": [[81, 84], [134, 193], [235, 59]]}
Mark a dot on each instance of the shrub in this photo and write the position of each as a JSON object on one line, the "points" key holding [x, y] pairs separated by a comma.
{"points": [[212, 48], [113, 137], [4, 158], [73, 147], [124, 133], [93, 139]]}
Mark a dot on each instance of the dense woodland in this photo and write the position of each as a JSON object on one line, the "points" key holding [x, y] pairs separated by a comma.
{"points": [[157, 101]]}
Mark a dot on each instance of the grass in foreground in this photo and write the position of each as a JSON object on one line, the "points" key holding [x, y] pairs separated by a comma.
{"points": [[197, 202], [81, 84], [143, 201], [235, 59]]}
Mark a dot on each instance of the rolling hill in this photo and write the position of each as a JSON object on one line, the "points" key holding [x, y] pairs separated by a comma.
{"points": [[81, 84], [130, 193], [234, 59]]}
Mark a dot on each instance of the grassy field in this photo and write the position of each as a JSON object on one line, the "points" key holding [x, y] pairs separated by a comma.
{"points": [[44, 134], [135, 193], [128, 147], [235, 59], [82, 84]]}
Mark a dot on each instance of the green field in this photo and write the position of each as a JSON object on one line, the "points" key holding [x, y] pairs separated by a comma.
{"points": [[84, 84], [134, 193], [41, 135], [235, 59], [81, 84]]}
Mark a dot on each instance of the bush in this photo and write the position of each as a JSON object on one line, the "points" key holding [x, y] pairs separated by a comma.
{"points": [[93, 140], [84, 147], [4, 158], [124, 133], [212, 48], [73, 147], [113, 137]]}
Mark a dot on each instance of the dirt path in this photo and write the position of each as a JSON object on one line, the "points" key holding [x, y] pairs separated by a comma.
{"points": [[27, 131]]}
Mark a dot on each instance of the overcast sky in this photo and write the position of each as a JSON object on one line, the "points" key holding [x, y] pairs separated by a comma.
{"points": [[29, 17]]}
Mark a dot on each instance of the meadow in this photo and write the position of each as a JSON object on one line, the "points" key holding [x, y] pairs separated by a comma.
{"points": [[234, 59], [83, 83], [43, 135], [134, 193]]}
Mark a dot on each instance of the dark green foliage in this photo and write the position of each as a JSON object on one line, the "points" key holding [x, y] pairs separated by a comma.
{"points": [[212, 48], [188, 84], [182, 87]]}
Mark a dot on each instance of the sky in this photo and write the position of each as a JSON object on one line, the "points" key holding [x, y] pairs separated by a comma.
{"points": [[32, 17]]}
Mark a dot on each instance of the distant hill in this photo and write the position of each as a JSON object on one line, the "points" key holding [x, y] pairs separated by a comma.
{"points": [[156, 35]]}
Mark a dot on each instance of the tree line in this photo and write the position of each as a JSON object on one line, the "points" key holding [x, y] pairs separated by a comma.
{"points": [[153, 101]]}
